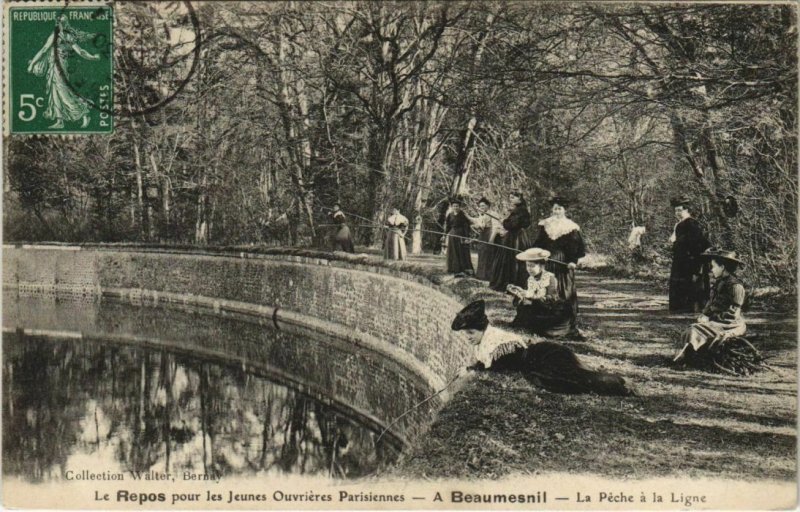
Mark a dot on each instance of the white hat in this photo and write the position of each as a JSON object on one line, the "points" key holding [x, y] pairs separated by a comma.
{"points": [[534, 254]]}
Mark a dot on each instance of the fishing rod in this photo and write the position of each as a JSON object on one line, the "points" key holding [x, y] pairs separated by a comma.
{"points": [[486, 243], [470, 239], [372, 224]]}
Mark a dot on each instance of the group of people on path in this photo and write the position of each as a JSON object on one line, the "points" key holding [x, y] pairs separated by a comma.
{"points": [[540, 274], [512, 263]]}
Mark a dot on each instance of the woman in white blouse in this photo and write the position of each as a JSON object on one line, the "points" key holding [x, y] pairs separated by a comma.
{"points": [[394, 247]]}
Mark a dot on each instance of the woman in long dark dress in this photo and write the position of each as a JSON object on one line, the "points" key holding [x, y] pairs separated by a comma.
{"points": [[457, 226], [547, 364], [506, 269], [688, 277], [562, 237], [486, 224]]}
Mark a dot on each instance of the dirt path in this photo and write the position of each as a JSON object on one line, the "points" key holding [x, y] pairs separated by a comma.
{"points": [[681, 423]]}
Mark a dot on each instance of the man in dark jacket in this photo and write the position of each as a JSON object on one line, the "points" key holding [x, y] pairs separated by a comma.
{"points": [[688, 280]]}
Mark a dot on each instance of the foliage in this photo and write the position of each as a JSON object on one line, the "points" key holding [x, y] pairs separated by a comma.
{"points": [[294, 106]]}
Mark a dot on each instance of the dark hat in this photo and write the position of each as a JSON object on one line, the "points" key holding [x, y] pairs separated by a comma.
{"points": [[682, 200], [559, 200], [456, 200], [484, 200], [473, 316], [720, 254]]}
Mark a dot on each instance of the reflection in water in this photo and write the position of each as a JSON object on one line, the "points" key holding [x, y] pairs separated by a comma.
{"points": [[76, 405]]}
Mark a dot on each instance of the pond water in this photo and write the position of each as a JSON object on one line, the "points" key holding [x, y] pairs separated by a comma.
{"points": [[116, 388]]}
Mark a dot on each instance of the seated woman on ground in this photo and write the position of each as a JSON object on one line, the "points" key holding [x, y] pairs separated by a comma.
{"points": [[722, 317], [546, 364], [539, 309]]}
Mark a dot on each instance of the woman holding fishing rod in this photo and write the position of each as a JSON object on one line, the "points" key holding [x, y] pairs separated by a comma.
{"points": [[394, 247], [457, 227], [341, 240], [562, 238], [487, 224], [506, 269]]}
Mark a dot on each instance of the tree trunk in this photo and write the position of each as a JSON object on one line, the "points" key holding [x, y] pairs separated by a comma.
{"points": [[139, 216], [708, 181]]}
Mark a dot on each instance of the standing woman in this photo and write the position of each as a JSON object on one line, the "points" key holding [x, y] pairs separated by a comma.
{"points": [[487, 225], [563, 239], [342, 239], [396, 227], [506, 269], [457, 227], [688, 276]]}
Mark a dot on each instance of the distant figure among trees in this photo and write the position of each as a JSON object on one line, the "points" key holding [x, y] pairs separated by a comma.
{"points": [[457, 227], [506, 269], [342, 239], [722, 316], [688, 283], [487, 225], [394, 247], [562, 237]]}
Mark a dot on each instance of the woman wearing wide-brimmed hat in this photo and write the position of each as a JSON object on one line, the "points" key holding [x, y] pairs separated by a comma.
{"points": [[562, 237], [722, 316], [539, 308]]}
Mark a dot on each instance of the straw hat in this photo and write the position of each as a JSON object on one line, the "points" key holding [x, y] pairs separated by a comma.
{"points": [[534, 254], [719, 254]]}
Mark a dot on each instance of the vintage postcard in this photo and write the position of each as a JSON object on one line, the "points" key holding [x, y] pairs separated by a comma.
{"points": [[399, 255]]}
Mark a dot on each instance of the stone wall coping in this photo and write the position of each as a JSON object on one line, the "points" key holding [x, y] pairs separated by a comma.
{"points": [[407, 270]]}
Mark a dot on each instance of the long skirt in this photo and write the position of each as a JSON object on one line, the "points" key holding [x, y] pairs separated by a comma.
{"points": [[459, 259], [688, 292], [699, 335], [343, 240], [557, 368], [485, 255], [567, 290], [395, 246], [506, 268], [551, 320]]}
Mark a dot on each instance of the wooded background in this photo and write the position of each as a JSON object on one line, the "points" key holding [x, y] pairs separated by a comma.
{"points": [[293, 106]]}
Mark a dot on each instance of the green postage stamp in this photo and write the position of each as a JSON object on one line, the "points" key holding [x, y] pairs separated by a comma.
{"points": [[59, 68]]}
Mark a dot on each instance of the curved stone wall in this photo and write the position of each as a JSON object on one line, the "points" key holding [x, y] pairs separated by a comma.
{"points": [[398, 314]]}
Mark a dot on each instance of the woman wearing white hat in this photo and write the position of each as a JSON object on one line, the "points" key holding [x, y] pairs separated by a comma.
{"points": [[539, 309]]}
